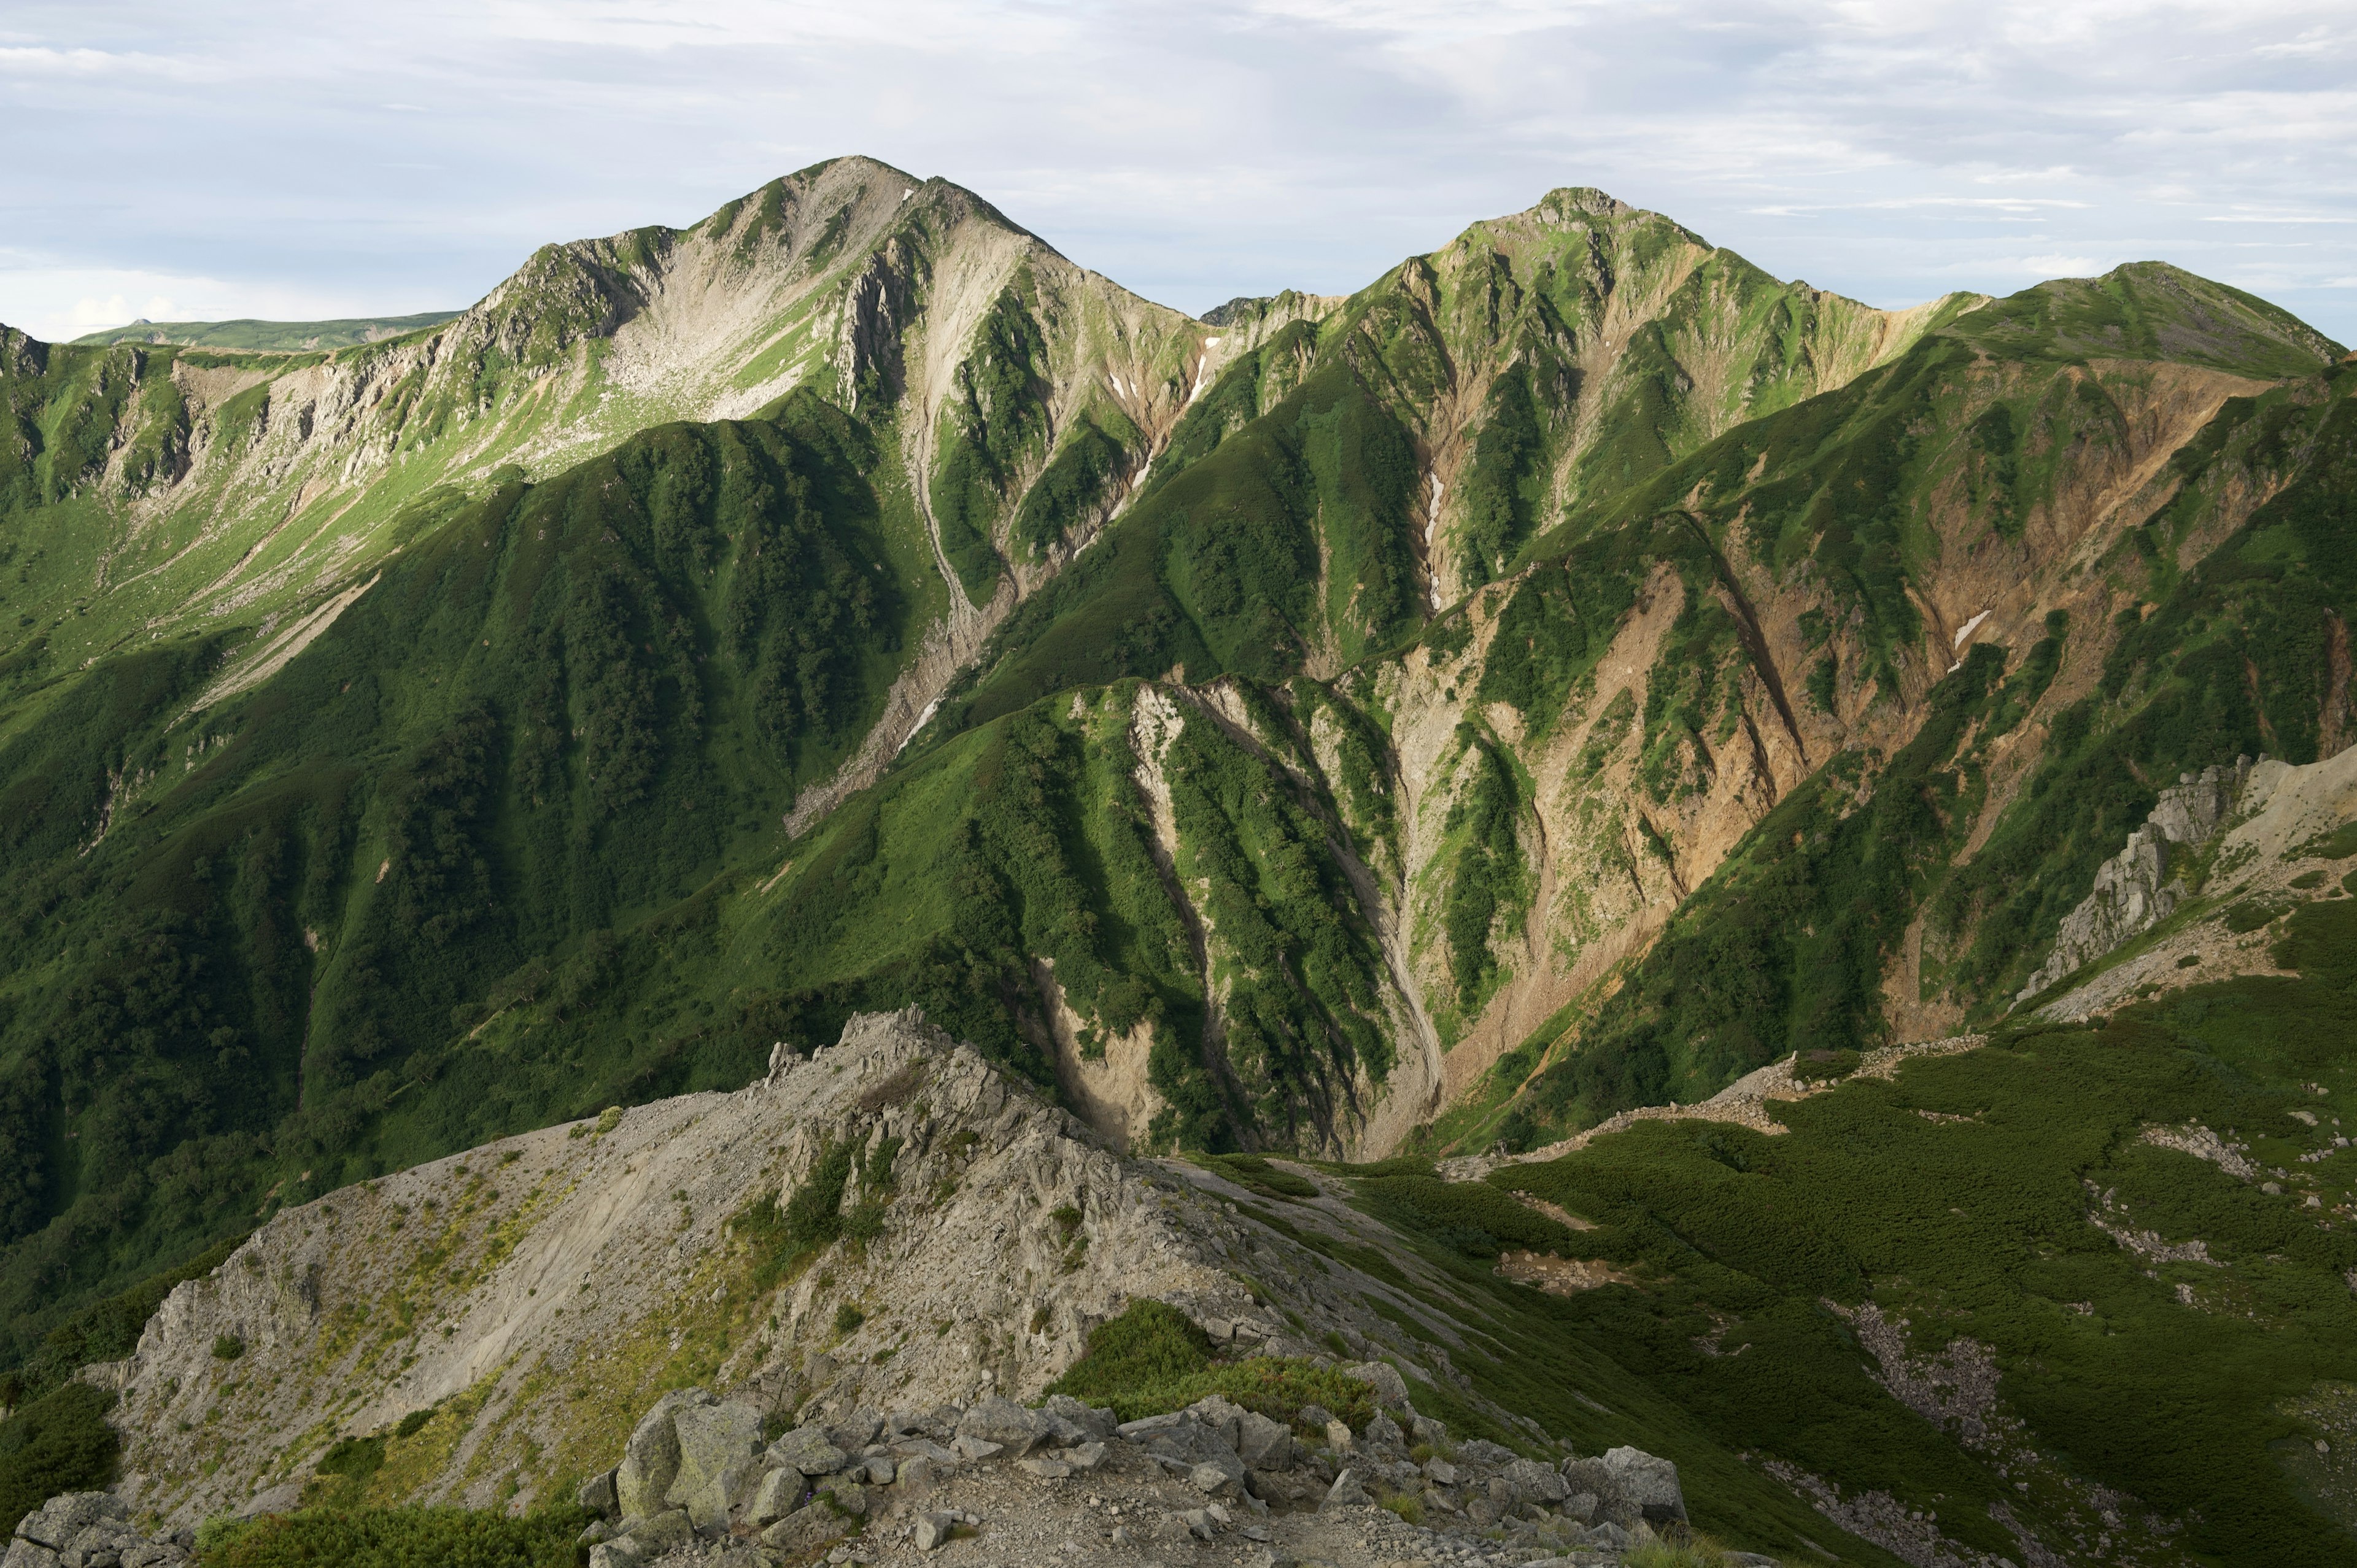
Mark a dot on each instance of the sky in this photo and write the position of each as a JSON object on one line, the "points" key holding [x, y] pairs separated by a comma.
{"points": [[246, 157]]}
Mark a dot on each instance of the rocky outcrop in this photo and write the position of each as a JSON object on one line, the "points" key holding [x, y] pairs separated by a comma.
{"points": [[2138, 888], [89, 1530], [1214, 1473]]}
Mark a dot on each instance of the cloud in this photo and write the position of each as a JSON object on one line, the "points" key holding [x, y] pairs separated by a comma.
{"points": [[408, 157]]}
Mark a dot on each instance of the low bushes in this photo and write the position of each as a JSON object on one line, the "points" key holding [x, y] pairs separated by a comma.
{"points": [[397, 1537], [1153, 1359]]}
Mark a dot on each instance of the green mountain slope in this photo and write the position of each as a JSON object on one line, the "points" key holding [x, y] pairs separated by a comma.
{"points": [[1568, 675], [272, 337]]}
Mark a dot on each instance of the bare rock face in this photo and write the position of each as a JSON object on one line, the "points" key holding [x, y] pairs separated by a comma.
{"points": [[2134, 890]]}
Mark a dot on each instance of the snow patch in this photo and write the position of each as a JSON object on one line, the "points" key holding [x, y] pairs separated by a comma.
{"points": [[1966, 629]]}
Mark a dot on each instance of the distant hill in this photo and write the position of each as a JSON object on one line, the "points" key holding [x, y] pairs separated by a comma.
{"points": [[281, 336]]}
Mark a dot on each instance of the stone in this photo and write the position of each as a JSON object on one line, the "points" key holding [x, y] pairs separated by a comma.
{"points": [[1087, 1457], [1199, 1524], [855, 1431], [878, 1471], [1609, 1537], [777, 1495], [1441, 1471], [651, 1458], [1262, 1444], [1043, 1467], [1390, 1389], [1100, 1426], [1483, 1512], [1481, 1451], [806, 1449], [972, 1448], [807, 1528], [1217, 1481], [1337, 1436], [1002, 1421], [1535, 1483], [1426, 1430], [614, 1554], [1649, 1482], [1579, 1506], [596, 1495], [1345, 1491], [848, 1498], [933, 1532], [1140, 1430], [713, 1439], [1223, 1418], [658, 1534], [1384, 1433], [1316, 1416], [915, 1472]]}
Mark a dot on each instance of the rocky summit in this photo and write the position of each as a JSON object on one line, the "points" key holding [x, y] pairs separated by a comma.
{"points": [[816, 888]]}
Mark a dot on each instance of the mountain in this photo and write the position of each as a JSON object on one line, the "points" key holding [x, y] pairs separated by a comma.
{"points": [[279, 336], [1545, 690]]}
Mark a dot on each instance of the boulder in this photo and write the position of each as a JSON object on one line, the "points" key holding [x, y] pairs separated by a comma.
{"points": [[596, 1495], [1216, 1480], [973, 1448], [1041, 1468], [848, 1497], [915, 1472], [1010, 1425], [1140, 1430], [1648, 1482], [1383, 1433], [650, 1458], [807, 1449], [777, 1495], [807, 1528], [855, 1431], [1441, 1471], [1222, 1417], [1200, 1523], [1087, 1457], [1579, 1506], [614, 1554], [933, 1531], [1100, 1426], [56, 1522], [719, 1462], [1345, 1491], [1390, 1389], [1535, 1483], [1262, 1444], [1481, 1451], [1337, 1436], [666, 1531]]}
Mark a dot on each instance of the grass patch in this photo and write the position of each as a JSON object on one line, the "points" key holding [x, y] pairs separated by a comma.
{"points": [[397, 1538], [1153, 1359], [1256, 1175]]}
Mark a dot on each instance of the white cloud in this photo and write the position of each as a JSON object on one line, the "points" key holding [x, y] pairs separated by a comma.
{"points": [[405, 157]]}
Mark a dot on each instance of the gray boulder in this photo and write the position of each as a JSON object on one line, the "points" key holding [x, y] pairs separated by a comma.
{"points": [[1098, 1425], [1222, 1417], [848, 1497], [651, 1458], [1216, 1480], [666, 1531], [807, 1528], [719, 1460], [807, 1449], [933, 1531], [855, 1431], [1648, 1483], [779, 1493], [1534, 1483], [1345, 1492], [1003, 1422], [1262, 1444], [1390, 1389], [1481, 1451], [596, 1495]]}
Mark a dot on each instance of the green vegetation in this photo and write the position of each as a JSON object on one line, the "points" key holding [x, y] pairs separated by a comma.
{"points": [[1152, 1358], [397, 1538], [57, 1442], [280, 337]]}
